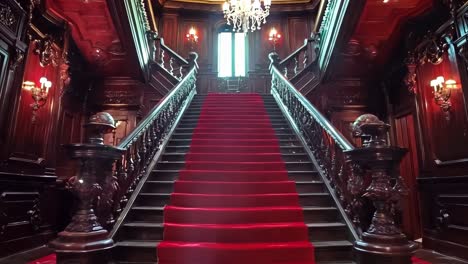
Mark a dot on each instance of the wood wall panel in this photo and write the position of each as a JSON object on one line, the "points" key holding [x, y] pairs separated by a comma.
{"points": [[409, 170], [445, 134]]}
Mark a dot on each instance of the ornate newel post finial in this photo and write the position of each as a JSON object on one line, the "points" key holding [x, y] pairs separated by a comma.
{"points": [[274, 59], [85, 240], [383, 242], [192, 59]]}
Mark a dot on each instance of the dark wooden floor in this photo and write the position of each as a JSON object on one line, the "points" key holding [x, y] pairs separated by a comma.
{"points": [[436, 258]]}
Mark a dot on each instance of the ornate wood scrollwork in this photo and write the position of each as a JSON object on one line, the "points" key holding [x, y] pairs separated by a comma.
{"points": [[34, 214], [410, 77], [7, 17], [44, 48]]}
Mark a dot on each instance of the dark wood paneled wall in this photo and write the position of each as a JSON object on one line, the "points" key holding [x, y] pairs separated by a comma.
{"points": [[294, 27], [31, 156], [436, 167]]}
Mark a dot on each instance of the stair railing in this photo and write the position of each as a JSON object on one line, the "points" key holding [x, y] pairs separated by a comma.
{"points": [[141, 145], [354, 176], [325, 142], [169, 60], [299, 60]]}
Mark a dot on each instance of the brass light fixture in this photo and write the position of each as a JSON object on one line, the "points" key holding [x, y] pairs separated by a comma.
{"points": [[192, 37], [442, 92], [274, 37], [39, 94]]}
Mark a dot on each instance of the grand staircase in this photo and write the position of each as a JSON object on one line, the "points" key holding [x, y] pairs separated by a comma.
{"points": [[142, 230]]}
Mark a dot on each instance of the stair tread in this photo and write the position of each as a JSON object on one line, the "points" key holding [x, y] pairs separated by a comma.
{"points": [[290, 162], [311, 225], [154, 243], [289, 172], [237, 208], [285, 154]]}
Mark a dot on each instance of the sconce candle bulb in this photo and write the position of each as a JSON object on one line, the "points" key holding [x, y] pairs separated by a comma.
{"points": [[39, 94], [442, 93], [274, 37], [192, 37]]}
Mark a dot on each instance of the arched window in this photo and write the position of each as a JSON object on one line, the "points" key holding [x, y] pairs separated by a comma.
{"points": [[232, 53]]}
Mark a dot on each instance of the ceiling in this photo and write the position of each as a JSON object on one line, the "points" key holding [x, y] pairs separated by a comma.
{"points": [[380, 24]]}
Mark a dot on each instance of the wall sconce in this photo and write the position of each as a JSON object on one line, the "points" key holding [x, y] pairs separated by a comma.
{"points": [[39, 94], [274, 37], [442, 91], [192, 37]]}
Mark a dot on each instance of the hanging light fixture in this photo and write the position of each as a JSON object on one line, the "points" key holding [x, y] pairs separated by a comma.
{"points": [[245, 15]]}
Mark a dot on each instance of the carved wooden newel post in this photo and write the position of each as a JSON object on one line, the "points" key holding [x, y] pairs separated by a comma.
{"points": [[84, 239], [383, 242]]}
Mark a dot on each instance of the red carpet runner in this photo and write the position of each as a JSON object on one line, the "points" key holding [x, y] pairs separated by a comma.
{"points": [[233, 202]]}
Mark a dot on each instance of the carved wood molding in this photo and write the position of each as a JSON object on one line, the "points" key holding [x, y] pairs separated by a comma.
{"points": [[46, 51], [7, 17]]}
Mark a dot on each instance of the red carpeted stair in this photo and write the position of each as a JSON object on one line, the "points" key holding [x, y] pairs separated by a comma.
{"points": [[233, 202]]}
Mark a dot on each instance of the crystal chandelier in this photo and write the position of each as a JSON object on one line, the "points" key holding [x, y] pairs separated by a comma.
{"points": [[246, 15]]}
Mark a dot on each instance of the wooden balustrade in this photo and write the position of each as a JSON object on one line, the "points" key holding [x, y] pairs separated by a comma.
{"points": [[146, 139], [297, 61], [354, 176], [169, 60]]}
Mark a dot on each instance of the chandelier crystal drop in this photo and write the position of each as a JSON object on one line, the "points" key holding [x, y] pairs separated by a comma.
{"points": [[245, 15]]}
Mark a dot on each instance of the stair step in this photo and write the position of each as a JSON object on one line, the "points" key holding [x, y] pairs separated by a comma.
{"points": [[282, 142], [143, 231], [285, 157], [311, 214], [229, 136], [184, 148], [178, 165], [158, 186], [275, 126], [336, 252], [298, 175], [162, 199]]}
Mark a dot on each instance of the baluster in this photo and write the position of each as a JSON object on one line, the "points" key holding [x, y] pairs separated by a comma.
{"points": [[163, 59], [296, 64], [171, 66], [304, 61], [181, 72], [285, 70]]}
